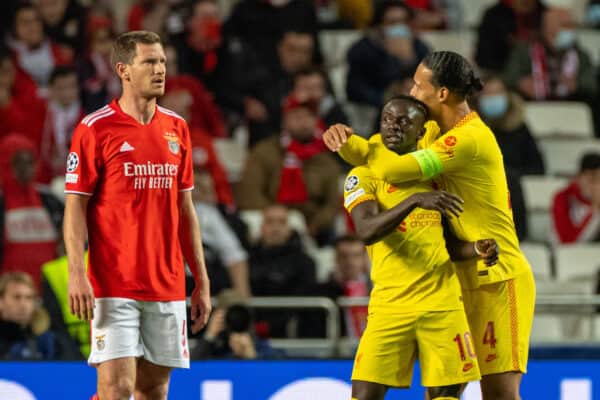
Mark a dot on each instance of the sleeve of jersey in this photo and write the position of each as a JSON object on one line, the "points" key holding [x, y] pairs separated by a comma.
{"points": [[186, 170], [358, 187], [82, 162], [355, 151], [448, 153]]}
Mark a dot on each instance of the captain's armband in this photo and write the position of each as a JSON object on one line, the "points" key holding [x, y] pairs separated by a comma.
{"points": [[429, 162]]}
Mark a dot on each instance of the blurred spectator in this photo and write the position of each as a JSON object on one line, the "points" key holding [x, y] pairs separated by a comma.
{"points": [[20, 109], [389, 52], [576, 209], [150, 15], [280, 266], [504, 112], [230, 333], [30, 218], [64, 22], [344, 14], [24, 333], [436, 14], [226, 259], [310, 84], [99, 84], [34, 52], [294, 169], [350, 278], [262, 23], [553, 68], [593, 14], [203, 113], [203, 151], [64, 111], [55, 295], [502, 26]]}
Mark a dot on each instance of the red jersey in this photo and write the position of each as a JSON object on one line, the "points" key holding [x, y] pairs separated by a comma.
{"points": [[134, 174]]}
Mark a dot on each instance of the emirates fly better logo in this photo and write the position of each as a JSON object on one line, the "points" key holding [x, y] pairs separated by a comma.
{"points": [[151, 175]]}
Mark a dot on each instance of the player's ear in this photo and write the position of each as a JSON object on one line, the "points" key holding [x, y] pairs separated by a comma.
{"points": [[443, 94], [122, 71]]}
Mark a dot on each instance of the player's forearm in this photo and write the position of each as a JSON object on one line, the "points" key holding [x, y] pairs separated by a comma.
{"points": [[355, 151], [75, 232], [402, 169], [372, 227], [462, 251], [190, 238]]}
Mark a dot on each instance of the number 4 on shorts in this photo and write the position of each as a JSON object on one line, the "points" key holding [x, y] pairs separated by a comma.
{"points": [[489, 337]]}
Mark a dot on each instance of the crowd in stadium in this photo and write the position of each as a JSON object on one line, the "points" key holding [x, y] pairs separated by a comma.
{"points": [[255, 81]]}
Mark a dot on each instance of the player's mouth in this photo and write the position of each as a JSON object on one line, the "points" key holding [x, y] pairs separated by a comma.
{"points": [[158, 81]]}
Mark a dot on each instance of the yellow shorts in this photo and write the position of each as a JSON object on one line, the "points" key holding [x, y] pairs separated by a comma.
{"points": [[500, 316], [440, 340]]}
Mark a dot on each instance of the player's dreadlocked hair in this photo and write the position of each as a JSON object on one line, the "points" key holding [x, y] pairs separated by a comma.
{"points": [[417, 103], [453, 71]]}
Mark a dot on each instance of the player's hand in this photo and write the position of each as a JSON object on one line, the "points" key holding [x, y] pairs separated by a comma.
{"points": [[488, 250], [448, 204], [81, 297], [201, 308], [336, 135]]}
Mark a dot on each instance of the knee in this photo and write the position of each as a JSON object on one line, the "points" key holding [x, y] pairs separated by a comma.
{"points": [[451, 391], [155, 391], [367, 392], [496, 392], [119, 389]]}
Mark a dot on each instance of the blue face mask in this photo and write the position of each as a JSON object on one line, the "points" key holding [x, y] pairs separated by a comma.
{"points": [[493, 106], [593, 15], [565, 39], [398, 31]]}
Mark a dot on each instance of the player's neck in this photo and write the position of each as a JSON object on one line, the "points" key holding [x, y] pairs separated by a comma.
{"points": [[138, 108], [452, 115]]}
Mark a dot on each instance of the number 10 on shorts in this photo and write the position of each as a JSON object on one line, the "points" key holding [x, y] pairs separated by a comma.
{"points": [[464, 341]]}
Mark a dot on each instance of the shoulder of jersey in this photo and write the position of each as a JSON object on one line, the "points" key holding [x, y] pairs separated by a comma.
{"points": [[97, 115], [169, 113]]}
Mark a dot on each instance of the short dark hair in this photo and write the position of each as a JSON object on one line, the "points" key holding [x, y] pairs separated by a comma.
{"points": [[454, 72], [124, 47], [385, 5], [349, 238], [417, 103], [589, 162], [61, 71]]}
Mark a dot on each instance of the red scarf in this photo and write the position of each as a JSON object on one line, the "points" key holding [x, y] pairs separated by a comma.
{"points": [[29, 235], [292, 188], [545, 74]]}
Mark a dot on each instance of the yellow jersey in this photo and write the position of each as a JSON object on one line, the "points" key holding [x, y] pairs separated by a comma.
{"points": [[466, 161], [411, 269]]}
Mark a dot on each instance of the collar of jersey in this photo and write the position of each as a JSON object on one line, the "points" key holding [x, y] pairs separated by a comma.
{"points": [[115, 106]]}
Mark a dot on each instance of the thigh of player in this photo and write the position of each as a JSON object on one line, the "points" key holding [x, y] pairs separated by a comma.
{"points": [[446, 352], [115, 330], [500, 315], [387, 350], [164, 333]]}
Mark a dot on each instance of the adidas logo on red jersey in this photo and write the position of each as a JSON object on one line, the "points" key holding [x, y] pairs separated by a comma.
{"points": [[126, 147]]}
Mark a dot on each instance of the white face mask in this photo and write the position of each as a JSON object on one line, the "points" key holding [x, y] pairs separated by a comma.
{"points": [[565, 39], [396, 31]]}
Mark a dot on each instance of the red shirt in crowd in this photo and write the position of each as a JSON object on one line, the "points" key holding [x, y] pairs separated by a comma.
{"points": [[574, 217], [134, 174]]}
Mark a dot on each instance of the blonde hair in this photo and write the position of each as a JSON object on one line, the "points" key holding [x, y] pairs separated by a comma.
{"points": [[124, 47], [16, 277]]}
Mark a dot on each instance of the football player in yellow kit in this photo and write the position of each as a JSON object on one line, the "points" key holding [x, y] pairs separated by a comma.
{"points": [[415, 307], [461, 153]]}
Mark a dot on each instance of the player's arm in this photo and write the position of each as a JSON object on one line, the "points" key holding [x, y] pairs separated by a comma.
{"points": [[460, 250], [352, 148], [190, 239], [371, 225], [81, 295]]}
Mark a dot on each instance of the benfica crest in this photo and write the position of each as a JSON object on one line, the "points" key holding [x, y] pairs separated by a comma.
{"points": [[172, 142]]}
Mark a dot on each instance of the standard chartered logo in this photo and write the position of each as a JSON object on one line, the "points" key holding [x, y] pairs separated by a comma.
{"points": [[13, 391]]}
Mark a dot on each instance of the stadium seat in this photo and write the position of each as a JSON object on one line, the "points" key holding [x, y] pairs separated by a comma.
{"points": [[473, 11], [559, 118], [462, 42], [362, 118], [337, 77], [577, 262], [554, 287], [57, 187], [546, 328], [538, 192], [325, 261], [538, 256], [588, 40], [562, 156], [232, 155], [335, 44], [253, 218]]}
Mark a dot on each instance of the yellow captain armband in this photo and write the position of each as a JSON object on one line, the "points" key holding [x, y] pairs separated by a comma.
{"points": [[429, 162]]}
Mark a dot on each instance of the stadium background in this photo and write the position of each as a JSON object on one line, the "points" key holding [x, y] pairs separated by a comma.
{"points": [[566, 335]]}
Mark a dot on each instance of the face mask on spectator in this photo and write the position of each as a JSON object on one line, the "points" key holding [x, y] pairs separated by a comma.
{"points": [[493, 106], [398, 31], [565, 39], [593, 14]]}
